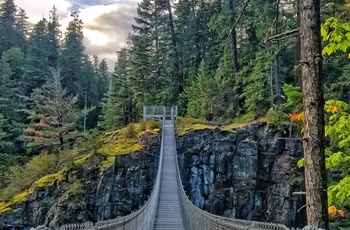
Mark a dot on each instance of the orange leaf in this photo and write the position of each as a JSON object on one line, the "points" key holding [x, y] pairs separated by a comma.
{"points": [[301, 116], [293, 117], [296, 116], [334, 109], [341, 213], [332, 210], [325, 134]]}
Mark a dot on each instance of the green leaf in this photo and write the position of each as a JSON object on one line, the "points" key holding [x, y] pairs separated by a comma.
{"points": [[301, 163]]}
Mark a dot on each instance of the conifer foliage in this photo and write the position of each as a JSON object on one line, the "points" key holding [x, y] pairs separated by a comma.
{"points": [[28, 55]]}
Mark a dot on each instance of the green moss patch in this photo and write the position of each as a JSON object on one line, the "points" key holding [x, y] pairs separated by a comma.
{"points": [[194, 128], [49, 179], [82, 159], [240, 125], [185, 125], [21, 197]]}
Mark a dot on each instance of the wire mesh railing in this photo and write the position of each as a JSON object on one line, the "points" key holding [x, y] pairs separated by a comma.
{"points": [[193, 217], [142, 219], [159, 111]]}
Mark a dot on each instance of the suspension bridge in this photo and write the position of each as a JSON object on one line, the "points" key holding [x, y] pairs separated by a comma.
{"points": [[168, 207]]}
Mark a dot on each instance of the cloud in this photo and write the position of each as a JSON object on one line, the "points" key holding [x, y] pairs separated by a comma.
{"points": [[106, 28], [37, 9], [107, 23]]}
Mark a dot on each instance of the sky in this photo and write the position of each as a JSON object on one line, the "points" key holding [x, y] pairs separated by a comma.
{"points": [[107, 23]]}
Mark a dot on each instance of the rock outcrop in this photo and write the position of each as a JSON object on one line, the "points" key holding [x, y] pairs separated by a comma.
{"points": [[248, 173], [87, 194]]}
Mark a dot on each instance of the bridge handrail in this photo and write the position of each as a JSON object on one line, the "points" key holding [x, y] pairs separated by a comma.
{"points": [[195, 218], [140, 219]]}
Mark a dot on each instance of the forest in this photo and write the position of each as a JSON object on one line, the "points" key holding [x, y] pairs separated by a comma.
{"points": [[226, 61]]}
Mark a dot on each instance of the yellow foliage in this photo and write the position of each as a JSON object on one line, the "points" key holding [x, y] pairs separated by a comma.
{"points": [[333, 109], [332, 210]]}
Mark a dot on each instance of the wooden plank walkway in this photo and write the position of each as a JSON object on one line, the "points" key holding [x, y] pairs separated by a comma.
{"points": [[168, 215]]}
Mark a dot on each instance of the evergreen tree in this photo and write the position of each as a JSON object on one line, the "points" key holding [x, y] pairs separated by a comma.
{"points": [[10, 105], [8, 11], [90, 94], [204, 96], [3, 142], [22, 27], [72, 58], [54, 33], [38, 54], [53, 114], [256, 87], [119, 109], [228, 85]]}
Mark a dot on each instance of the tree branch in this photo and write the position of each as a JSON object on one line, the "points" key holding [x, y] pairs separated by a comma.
{"points": [[245, 4], [284, 35]]}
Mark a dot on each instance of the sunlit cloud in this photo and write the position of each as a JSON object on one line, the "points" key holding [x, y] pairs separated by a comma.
{"points": [[38, 9], [107, 23], [106, 28]]}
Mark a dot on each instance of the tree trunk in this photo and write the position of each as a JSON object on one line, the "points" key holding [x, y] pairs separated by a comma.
{"points": [[313, 104], [232, 5], [277, 67], [177, 70]]}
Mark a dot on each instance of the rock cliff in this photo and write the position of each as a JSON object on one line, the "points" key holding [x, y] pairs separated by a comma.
{"points": [[248, 173], [87, 194]]}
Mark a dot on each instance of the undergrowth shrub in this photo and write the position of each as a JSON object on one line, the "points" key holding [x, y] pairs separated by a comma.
{"points": [[277, 118], [182, 121], [75, 189], [129, 131], [20, 178], [67, 157], [142, 126], [152, 124]]}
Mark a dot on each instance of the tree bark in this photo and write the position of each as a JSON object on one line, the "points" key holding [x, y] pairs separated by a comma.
{"points": [[177, 71], [232, 5], [313, 104]]}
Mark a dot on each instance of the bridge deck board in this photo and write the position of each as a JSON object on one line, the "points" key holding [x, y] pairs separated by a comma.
{"points": [[168, 211]]}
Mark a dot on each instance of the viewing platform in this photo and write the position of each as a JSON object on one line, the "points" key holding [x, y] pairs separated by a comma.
{"points": [[159, 112]]}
